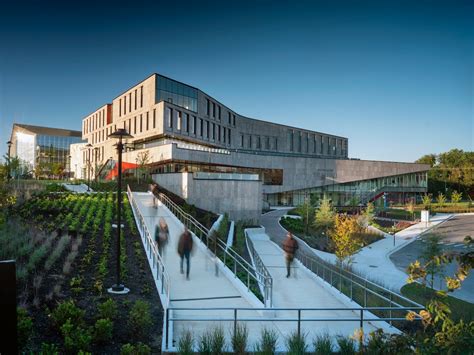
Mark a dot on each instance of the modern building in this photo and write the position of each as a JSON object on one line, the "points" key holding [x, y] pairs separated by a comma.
{"points": [[218, 159], [43, 148]]}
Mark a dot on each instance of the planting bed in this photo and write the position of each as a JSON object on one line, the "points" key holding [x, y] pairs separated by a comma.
{"points": [[64, 245]]}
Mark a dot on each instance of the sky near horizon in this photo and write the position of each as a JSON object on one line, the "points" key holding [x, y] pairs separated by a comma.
{"points": [[395, 77]]}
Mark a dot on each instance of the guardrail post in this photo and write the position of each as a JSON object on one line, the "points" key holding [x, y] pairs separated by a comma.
{"points": [[390, 309], [162, 279], [299, 322], [362, 319], [235, 322], [365, 294], [167, 326]]}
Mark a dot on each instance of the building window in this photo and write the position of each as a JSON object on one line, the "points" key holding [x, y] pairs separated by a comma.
{"points": [[154, 118], [213, 131], [169, 117], [208, 107], [186, 122], [276, 143], [201, 129], [214, 109], [322, 145], [125, 104], [230, 118], [242, 140], [194, 125], [267, 143], [250, 142], [219, 117], [224, 136], [233, 117], [135, 99], [147, 117], [130, 125], [228, 136], [290, 140], [141, 123], [307, 142], [219, 133], [135, 125], [258, 142], [130, 102], [120, 107], [179, 118], [207, 129], [141, 96]]}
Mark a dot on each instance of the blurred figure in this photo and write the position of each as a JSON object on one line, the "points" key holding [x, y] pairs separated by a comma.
{"points": [[290, 245], [185, 245], [161, 235]]}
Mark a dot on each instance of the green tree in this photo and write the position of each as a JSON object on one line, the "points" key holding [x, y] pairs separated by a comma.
{"points": [[369, 213], [426, 201], [324, 216], [57, 169], [411, 208], [306, 211], [441, 199], [430, 256], [456, 197]]}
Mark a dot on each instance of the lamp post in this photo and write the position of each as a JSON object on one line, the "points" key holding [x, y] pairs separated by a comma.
{"points": [[120, 133], [96, 149], [88, 146], [9, 144]]}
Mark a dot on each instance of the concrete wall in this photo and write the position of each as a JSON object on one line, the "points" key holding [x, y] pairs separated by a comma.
{"points": [[240, 199]]}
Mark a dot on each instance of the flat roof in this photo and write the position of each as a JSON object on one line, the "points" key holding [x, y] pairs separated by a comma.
{"points": [[49, 131]]}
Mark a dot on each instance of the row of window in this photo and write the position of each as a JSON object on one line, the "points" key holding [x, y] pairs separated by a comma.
{"points": [[125, 104], [96, 121], [249, 141], [141, 123], [304, 142], [186, 123], [93, 154], [216, 110]]}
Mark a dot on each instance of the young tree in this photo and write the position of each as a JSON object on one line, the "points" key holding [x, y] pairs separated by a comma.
{"points": [[426, 201], [456, 197], [324, 216], [411, 208], [369, 213], [57, 169], [345, 237], [441, 199], [430, 256], [306, 211], [143, 159]]}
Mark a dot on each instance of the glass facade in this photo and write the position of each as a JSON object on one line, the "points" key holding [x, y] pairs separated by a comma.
{"points": [[54, 149], [176, 93], [397, 188]]}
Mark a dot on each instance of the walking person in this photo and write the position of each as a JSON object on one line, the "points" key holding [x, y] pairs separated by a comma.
{"points": [[185, 246], [161, 236], [290, 245]]}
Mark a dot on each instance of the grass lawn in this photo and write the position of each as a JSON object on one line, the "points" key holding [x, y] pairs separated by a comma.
{"points": [[460, 309]]}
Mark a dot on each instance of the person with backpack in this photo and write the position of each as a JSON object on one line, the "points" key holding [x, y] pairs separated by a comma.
{"points": [[290, 245]]}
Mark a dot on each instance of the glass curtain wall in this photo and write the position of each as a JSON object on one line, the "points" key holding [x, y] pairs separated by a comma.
{"points": [[176, 93]]}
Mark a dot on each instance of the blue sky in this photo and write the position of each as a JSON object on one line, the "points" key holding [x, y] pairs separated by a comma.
{"points": [[395, 77]]}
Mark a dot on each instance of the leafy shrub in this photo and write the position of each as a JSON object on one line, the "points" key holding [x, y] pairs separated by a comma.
{"points": [[49, 349], [139, 349], [24, 327], [65, 311], [108, 309], [185, 343], [322, 344], [76, 338], [239, 339], [296, 343], [139, 319], [268, 342], [103, 329]]}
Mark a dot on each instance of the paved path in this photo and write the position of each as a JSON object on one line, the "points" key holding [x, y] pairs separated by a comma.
{"points": [[81, 188], [452, 233], [303, 289], [205, 289], [372, 261]]}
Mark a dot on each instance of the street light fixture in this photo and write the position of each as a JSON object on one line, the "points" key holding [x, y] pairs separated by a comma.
{"points": [[88, 146], [120, 133], [9, 144]]}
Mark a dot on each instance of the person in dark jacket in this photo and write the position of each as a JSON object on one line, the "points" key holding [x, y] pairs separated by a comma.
{"points": [[290, 245], [185, 246]]}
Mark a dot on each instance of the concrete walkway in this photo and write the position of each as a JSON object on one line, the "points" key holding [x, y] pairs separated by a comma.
{"points": [[81, 188], [372, 261], [206, 290], [304, 290]]}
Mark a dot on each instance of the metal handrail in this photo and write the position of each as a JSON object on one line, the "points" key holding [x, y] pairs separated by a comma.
{"points": [[217, 246], [154, 258], [267, 279], [274, 316]]}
